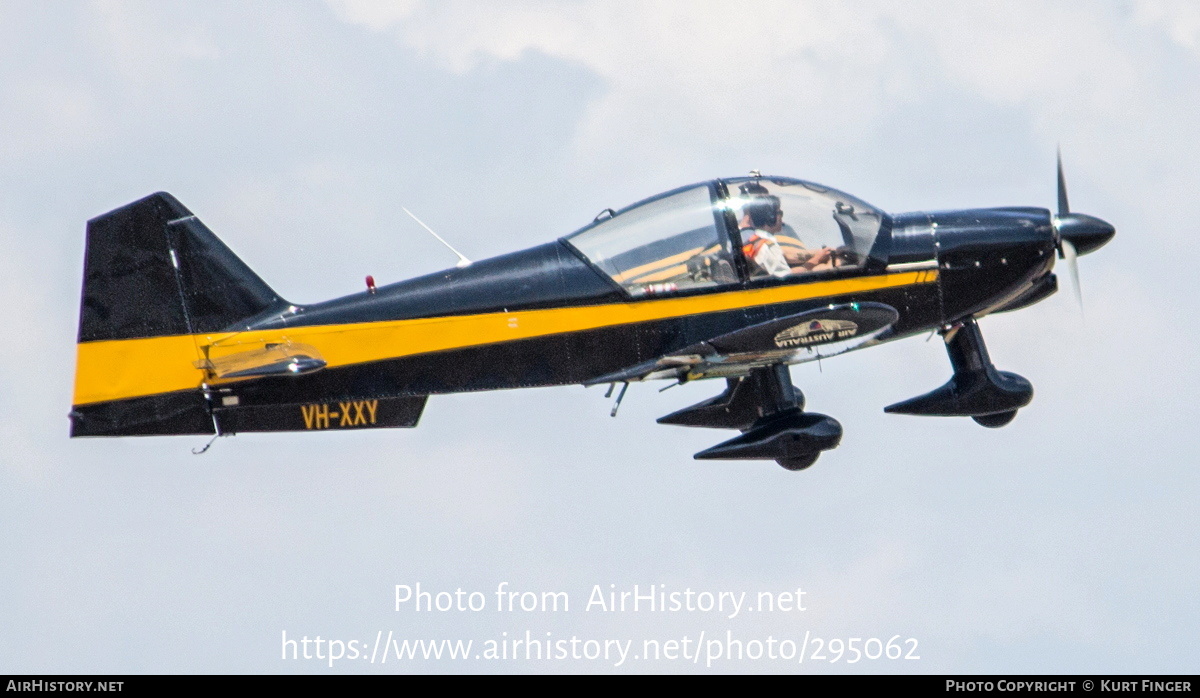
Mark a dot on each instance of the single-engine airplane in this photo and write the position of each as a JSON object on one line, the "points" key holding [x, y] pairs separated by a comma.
{"points": [[733, 278]]}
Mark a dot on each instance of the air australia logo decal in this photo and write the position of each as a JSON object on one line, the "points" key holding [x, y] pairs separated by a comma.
{"points": [[816, 332]]}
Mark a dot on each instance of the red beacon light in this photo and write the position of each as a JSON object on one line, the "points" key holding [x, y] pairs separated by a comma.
{"points": [[370, 284]]}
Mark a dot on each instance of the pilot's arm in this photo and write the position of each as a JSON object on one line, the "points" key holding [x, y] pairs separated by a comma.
{"points": [[809, 260]]}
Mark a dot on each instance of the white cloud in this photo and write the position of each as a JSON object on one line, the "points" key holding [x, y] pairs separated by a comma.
{"points": [[1179, 18], [767, 73], [146, 46], [376, 14], [772, 75], [44, 118]]}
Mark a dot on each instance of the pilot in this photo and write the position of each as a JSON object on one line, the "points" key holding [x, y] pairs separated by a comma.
{"points": [[762, 221]]}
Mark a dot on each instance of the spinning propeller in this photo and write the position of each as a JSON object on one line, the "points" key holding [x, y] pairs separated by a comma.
{"points": [[1078, 233]]}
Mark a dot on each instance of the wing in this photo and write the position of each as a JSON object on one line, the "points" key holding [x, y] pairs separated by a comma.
{"points": [[807, 336]]}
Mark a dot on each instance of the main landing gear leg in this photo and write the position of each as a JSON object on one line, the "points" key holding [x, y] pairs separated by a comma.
{"points": [[976, 389], [769, 411]]}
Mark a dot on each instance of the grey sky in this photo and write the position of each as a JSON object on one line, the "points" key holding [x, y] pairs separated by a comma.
{"points": [[1062, 543]]}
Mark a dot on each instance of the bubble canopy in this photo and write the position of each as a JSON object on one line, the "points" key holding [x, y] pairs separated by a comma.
{"points": [[728, 232]]}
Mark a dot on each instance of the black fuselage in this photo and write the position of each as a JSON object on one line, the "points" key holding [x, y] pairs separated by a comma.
{"points": [[985, 259], [178, 336]]}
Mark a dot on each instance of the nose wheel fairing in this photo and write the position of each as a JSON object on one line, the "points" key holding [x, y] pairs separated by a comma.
{"points": [[977, 389]]}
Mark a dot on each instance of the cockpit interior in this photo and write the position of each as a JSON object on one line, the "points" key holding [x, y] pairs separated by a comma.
{"points": [[727, 232]]}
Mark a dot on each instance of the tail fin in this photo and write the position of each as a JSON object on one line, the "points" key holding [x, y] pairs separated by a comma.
{"points": [[153, 272], [153, 269]]}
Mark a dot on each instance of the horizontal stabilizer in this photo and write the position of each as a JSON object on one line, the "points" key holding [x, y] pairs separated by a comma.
{"points": [[190, 412], [178, 413], [329, 415]]}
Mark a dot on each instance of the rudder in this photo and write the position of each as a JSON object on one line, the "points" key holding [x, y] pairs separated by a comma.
{"points": [[152, 269]]}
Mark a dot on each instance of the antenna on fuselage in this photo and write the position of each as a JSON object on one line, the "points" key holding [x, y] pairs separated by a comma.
{"points": [[462, 260]]}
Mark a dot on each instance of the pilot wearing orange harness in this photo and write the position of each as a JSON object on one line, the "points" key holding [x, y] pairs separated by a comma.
{"points": [[762, 220]]}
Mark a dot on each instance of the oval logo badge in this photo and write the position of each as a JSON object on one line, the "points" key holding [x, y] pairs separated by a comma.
{"points": [[816, 332]]}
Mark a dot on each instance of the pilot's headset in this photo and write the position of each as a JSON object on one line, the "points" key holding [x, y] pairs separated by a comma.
{"points": [[759, 204], [747, 192], [752, 189]]}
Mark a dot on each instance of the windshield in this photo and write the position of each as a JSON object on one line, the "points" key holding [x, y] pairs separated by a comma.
{"points": [[672, 243]]}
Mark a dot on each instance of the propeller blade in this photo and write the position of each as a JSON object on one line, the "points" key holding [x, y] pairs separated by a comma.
{"points": [[1072, 260], [1063, 207]]}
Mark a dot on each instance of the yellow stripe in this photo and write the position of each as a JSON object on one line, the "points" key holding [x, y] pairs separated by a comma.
{"points": [[677, 271], [126, 368]]}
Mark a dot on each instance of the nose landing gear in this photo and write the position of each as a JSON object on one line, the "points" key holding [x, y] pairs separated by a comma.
{"points": [[977, 389]]}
